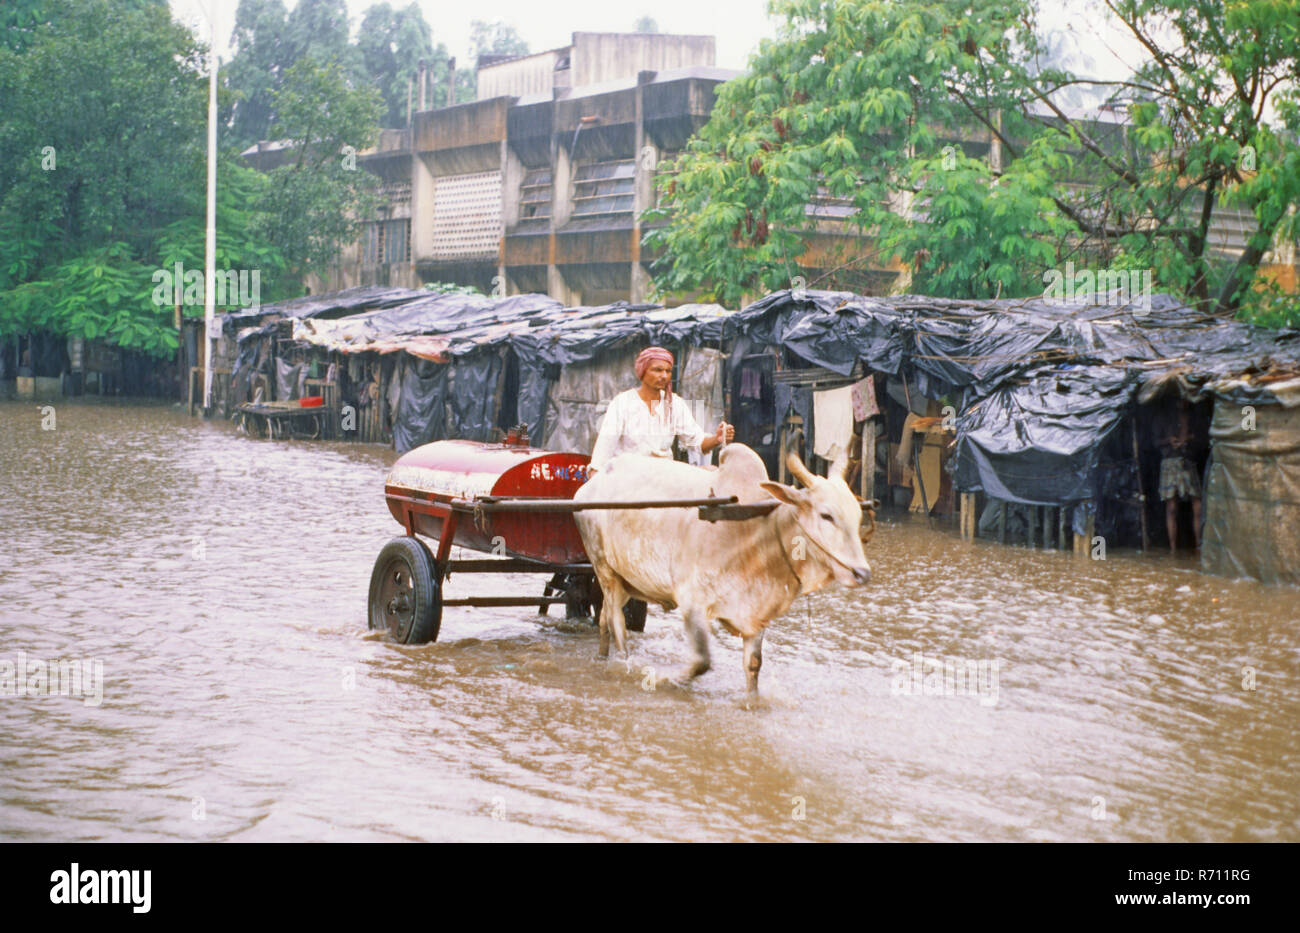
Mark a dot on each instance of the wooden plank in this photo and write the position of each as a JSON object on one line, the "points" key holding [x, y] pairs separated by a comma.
{"points": [[487, 601], [868, 473]]}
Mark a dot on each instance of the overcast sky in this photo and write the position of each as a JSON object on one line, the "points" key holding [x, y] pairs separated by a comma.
{"points": [[736, 24], [1099, 49]]}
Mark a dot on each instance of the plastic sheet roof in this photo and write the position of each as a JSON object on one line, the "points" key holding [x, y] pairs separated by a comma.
{"points": [[332, 304], [1037, 384], [439, 327]]}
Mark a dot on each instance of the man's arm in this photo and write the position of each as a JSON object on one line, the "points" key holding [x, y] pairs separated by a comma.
{"points": [[610, 429], [687, 429]]}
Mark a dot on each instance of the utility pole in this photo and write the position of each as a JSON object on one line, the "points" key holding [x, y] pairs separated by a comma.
{"points": [[210, 250]]}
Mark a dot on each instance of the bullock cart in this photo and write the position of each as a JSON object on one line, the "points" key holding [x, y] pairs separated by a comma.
{"points": [[509, 500], [280, 420]]}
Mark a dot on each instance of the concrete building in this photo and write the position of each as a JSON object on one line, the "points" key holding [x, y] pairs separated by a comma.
{"points": [[537, 185]]}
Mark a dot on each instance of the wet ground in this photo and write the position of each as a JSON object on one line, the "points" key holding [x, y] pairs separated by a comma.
{"points": [[219, 585]]}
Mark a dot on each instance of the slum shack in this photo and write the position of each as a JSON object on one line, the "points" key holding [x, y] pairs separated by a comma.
{"points": [[258, 364], [472, 367], [1027, 421], [1051, 418]]}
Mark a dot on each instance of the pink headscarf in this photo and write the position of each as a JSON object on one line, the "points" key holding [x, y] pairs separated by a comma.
{"points": [[649, 355], [643, 361]]}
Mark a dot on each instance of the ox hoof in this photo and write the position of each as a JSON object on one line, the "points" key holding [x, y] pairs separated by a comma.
{"points": [[686, 676]]}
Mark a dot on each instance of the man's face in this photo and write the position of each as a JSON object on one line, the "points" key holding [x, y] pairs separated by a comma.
{"points": [[658, 375]]}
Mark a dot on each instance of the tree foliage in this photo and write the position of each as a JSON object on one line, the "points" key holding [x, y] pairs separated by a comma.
{"points": [[386, 53], [312, 201], [495, 38], [867, 102], [97, 190]]}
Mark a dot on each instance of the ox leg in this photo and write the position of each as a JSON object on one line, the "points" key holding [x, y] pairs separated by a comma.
{"points": [[753, 662], [697, 634], [611, 614]]}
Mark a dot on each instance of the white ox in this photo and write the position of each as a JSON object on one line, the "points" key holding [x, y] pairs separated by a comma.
{"points": [[741, 573]]}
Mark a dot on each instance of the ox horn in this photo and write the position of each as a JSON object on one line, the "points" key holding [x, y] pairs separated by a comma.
{"points": [[797, 469], [840, 465]]}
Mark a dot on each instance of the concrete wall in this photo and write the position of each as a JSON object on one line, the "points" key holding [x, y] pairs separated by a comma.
{"points": [[608, 56], [532, 74]]}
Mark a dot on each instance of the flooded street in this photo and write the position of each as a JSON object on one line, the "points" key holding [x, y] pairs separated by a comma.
{"points": [[221, 582]]}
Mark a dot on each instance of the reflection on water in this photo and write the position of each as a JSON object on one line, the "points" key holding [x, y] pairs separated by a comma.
{"points": [[971, 692]]}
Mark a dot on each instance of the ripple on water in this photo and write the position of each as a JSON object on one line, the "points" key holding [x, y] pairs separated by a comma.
{"points": [[221, 583]]}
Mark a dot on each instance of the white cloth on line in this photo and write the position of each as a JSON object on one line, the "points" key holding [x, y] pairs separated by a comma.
{"points": [[832, 421]]}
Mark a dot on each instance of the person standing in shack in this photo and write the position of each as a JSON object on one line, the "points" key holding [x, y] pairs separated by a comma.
{"points": [[645, 420], [1178, 479]]}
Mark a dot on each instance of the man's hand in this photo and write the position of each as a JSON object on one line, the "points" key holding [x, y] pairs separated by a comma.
{"points": [[724, 435]]}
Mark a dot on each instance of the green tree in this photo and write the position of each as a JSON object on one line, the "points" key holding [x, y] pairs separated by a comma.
{"points": [[865, 101], [646, 24], [268, 41], [97, 191], [254, 73], [392, 44], [313, 201], [318, 29], [494, 38]]}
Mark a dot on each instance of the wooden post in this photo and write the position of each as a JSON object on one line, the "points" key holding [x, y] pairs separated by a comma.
{"points": [[1142, 499], [1002, 521], [1031, 525], [1083, 542], [781, 440], [1062, 512], [968, 518], [868, 477], [920, 483], [1047, 527]]}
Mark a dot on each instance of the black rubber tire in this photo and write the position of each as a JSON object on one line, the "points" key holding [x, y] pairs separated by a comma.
{"points": [[634, 610], [634, 614], [406, 592]]}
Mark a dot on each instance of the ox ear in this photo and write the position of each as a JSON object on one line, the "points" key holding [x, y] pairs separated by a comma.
{"points": [[787, 494]]}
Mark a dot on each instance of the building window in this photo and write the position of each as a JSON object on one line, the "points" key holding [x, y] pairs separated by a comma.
{"points": [[604, 187], [535, 195], [386, 241]]}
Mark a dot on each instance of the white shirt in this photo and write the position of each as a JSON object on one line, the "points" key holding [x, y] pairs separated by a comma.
{"points": [[631, 427]]}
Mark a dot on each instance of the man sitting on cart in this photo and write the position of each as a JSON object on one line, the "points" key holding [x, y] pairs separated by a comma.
{"points": [[645, 420]]}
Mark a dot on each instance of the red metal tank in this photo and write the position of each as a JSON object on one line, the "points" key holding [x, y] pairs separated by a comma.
{"points": [[425, 482]]}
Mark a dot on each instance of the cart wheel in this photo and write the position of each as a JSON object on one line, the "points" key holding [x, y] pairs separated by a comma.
{"points": [[406, 592]]}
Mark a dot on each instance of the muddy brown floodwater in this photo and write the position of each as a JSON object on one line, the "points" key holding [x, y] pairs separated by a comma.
{"points": [[219, 584]]}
